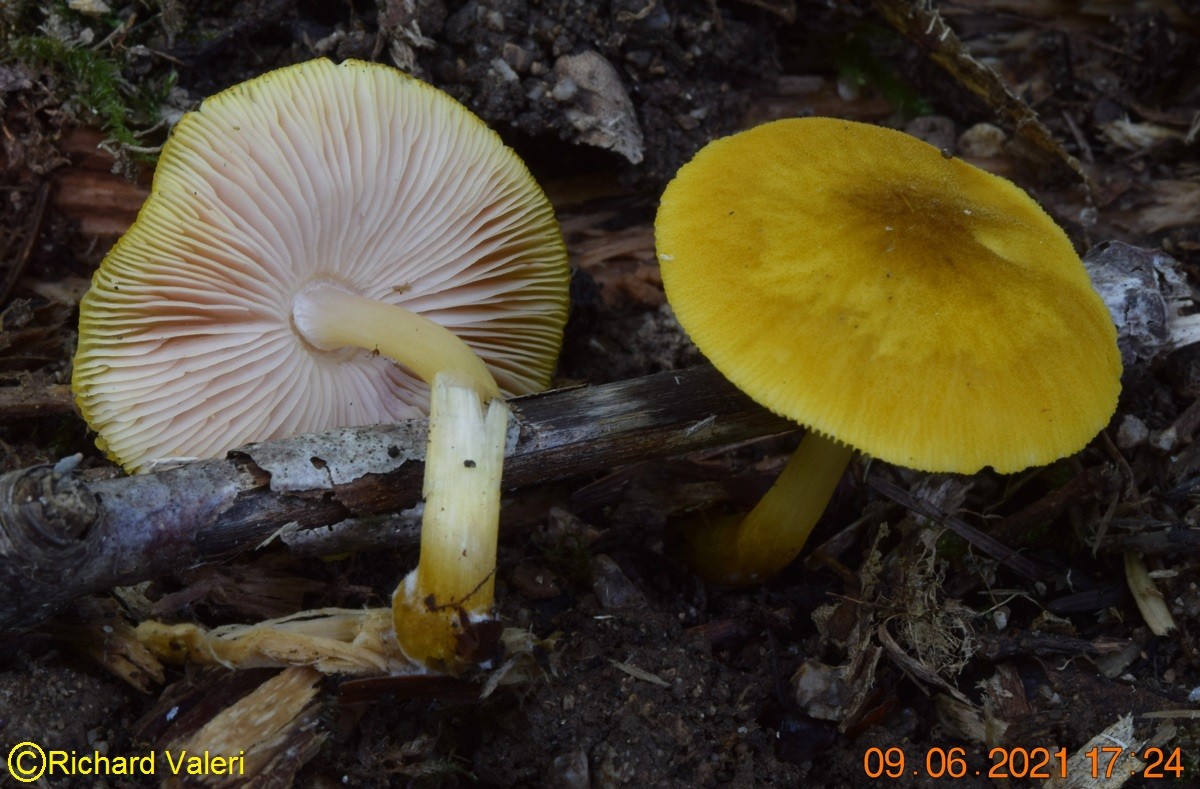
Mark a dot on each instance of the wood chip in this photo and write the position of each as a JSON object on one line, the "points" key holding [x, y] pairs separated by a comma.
{"points": [[1147, 596], [641, 674]]}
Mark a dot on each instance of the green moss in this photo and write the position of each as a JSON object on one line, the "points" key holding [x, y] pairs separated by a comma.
{"points": [[859, 62], [93, 83]]}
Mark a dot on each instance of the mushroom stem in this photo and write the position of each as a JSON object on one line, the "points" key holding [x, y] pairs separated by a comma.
{"points": [[440, 607], [437, 609], [329, 317], [770, 537]]}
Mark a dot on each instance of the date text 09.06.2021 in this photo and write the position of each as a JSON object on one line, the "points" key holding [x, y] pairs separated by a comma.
{"points": [[1098, 762]]}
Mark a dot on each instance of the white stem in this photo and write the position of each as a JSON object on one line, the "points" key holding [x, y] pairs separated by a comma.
{"points": [[452, 588], [463, 466]]}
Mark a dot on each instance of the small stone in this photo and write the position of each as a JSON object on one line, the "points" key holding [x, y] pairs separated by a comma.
{"points": [[534, 583], [937, 130], [494, 21], [518, 58], [564, 90], [570, 771], [1165, 440], [504, 70], [601, 110], [613, 588], [820, 690], [981, 141], [13, 78], [1132, 433], [640, 58]]}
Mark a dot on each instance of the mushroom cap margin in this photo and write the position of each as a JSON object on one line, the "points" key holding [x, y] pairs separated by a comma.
{"points": [[854, 279]]}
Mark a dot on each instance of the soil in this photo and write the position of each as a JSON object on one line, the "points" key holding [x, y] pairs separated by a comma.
{"points": [[893, 634]]}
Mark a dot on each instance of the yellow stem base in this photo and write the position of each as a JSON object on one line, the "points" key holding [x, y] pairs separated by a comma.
{"points": [[443, 610], [740, 552]]}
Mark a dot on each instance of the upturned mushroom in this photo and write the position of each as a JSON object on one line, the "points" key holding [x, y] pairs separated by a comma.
{"points": [[890, 298], [321, 246]]}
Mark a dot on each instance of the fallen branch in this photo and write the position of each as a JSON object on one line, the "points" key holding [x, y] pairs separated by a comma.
{"points": [[920, 22], [62, 536], [27, 400]]}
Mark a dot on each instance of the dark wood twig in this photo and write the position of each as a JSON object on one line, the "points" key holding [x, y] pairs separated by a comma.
{"points": [[370, 689], [920, 22], [28, 400], [1086, 486], [1181, 431], [33, 231], [1176, 541], [62, 536], [1003, 646], [1089, 601], [1022, 565]]}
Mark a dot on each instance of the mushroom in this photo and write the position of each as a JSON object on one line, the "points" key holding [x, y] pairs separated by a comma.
{"points": [[321, 245], [891, 298]]}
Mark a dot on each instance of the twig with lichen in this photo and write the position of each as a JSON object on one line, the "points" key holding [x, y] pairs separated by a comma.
{"points": [[62, 536]]}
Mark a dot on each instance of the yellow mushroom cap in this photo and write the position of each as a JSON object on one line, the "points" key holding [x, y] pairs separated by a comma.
{"points": [[854, 279], [353, 174]]}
